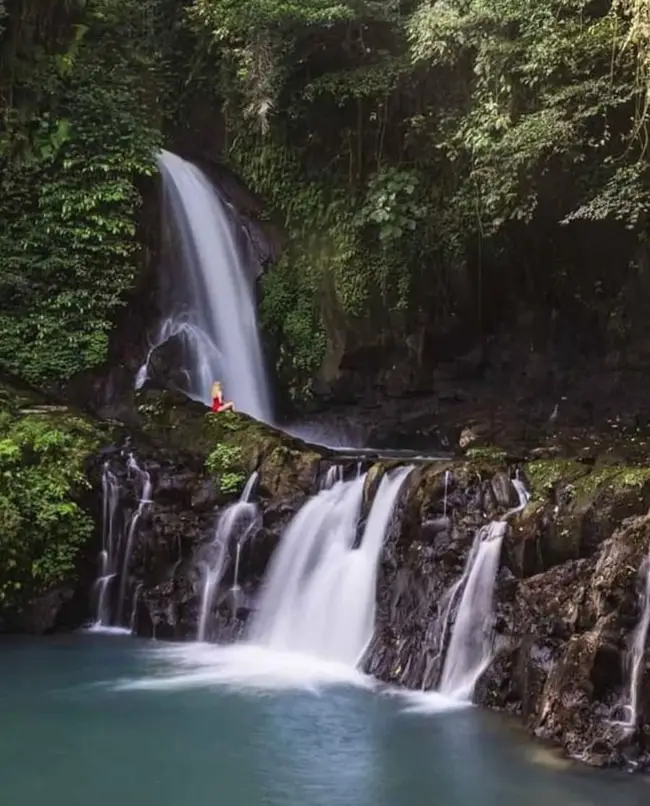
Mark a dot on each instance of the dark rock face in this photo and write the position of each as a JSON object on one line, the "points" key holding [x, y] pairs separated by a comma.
{"points": [[567, 596], [565, 614], [175, 533]]}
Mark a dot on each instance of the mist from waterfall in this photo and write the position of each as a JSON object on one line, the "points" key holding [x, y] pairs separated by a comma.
{"points": [[208, 301], [319, 593]]}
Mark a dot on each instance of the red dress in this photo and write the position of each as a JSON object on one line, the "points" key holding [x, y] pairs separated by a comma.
{"points": [[217, 403]]}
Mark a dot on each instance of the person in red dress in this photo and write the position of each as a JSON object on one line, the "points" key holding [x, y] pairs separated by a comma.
{"points": [[217, 399]]}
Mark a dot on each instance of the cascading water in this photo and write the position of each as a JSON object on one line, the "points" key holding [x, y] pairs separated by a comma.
{"points": [[470, 645], [118, 539], [319, 594], [235, 522], [143, 482], [108, 558], [334, 474], [444, 500], [637, 651], [210, 305]]}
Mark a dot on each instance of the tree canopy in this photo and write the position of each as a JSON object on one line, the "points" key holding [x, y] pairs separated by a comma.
{"points": [[411, 150]]}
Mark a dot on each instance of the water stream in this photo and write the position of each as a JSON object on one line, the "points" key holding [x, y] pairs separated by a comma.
{"points": [[637, 651], [319, 592], [470, 644], [234, 524], [208, 301], [118, 539], [108, 558], [144, 487]]}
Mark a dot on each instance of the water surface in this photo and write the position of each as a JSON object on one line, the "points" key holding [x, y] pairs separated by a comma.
{"points": [[112, 721]]}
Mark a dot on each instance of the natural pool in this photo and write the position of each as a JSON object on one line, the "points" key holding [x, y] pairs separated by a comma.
{"points": [[96, 720]]}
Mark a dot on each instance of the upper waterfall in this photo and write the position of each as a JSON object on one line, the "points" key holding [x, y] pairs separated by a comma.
{"points": [[208, 303]]}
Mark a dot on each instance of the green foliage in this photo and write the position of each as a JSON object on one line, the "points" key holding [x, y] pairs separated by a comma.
{"points": [[42, 528], [224, 461], [79, 136], [391, 203], [232, 18], [402, 146], [547, 85]]}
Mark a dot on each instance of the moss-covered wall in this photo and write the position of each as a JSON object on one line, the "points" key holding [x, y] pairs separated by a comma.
{"points": [[44, 451]]}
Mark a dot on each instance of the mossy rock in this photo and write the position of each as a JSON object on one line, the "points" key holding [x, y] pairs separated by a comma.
{"points": [[286, 464], [543, 475], [45, 524], [575, 507], [486, 453]]}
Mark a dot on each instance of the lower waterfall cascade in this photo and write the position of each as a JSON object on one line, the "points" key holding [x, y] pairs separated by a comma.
{"points": [[470, 640], [118, 537], [319, 594], [320, 585], [234, 524], [636, 654]]}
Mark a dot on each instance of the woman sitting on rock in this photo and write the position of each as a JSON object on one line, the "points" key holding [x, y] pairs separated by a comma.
{"points": [[217, 399]]}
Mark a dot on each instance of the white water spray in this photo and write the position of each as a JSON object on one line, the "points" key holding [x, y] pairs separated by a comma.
{"points": [[235, 522], [470, 646], [444, 500], [210, 306], [320, 591]]}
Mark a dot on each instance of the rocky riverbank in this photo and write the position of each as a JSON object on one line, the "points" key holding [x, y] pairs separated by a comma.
{"points": [[568, 592]]}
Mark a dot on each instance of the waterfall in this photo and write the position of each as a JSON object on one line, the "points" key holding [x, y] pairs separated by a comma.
{"points": [[143, 482], [118, 539], [444, 500], [108, 557], [235, 522], [470, 645], [319, 592], [637, 650], [209, 305], [334, 474]]}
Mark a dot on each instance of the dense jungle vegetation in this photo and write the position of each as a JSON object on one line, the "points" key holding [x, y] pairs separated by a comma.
{"points": [[422, 155]]}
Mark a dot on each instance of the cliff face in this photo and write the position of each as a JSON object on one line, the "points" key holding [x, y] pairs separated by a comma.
{"points": [[567, 601], [568, 591]]}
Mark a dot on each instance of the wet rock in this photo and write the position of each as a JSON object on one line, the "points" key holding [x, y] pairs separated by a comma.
{"points": [[566, 596], [503, 490], [205, 497], [44, 613]]}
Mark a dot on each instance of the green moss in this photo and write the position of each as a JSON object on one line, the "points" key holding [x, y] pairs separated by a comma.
{"points": [[612, 478], [174, 423], [486, 452], [43, 451], [544, 474]]}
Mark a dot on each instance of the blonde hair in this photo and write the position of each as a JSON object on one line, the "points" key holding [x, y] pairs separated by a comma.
{"points": [[216, 389]]}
